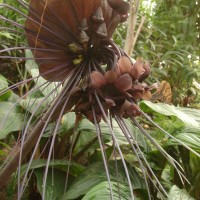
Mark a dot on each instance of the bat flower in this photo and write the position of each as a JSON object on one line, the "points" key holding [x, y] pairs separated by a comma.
{"points": [[120, 87], [71, 43], [68, 34]]}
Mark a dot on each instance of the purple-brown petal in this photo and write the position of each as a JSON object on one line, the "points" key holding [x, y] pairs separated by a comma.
{"points": [[137, 70], [134, 110], [110, 77], [124, 82], [97, 79], [119, 6], [129, 109], [146, 73], [125, 65], [124, 107], [117, 70]]}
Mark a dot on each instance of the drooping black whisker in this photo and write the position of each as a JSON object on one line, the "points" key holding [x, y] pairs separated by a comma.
{"points": [[96, 66], [7, 114], [22, 97], [40, 38], [55, 131], [2, 28], [171, 160], [50, 115], [31, 48], [116, 143], [31, 34], [115, 157], [11, 22], [30, 119], [12, 87], [32, 139], [46, 97], [74, 139], [23, 3], [127, 135], [26, 58], [102, 151], [168, 134], [137, 147], [49, 155]]}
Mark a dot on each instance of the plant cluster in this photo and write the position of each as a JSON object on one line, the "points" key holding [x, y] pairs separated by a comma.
{"points": [[82, 128]]}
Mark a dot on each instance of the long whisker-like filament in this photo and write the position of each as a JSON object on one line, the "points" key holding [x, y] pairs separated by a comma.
{"points": [[117, 145], [11, 166], [167, 156], [143, 157], [31, 91], [25, 48], [36, 22], [168, 134], [51, 112], [102, 151], [126, 133], [54, 134], [12, 87]]}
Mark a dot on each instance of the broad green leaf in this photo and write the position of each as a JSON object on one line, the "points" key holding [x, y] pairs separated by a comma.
{"points": [[102, 191], [10, 119], [88, 133], [195, 166], [36, 105], [170, 110], [68, 121], [75, 169], [188, 136], [193, 113], [5, 96], [56, 177], [190, 139], [3, 82], [55, 183], [179, 194], [195, 163], [95, 174], [6, 34], [4, 85]]}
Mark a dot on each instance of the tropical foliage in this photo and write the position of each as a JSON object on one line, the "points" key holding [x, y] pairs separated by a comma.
{"points": [[161, 149]]}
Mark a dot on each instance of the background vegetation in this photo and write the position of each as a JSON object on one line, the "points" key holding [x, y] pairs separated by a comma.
{"points": [[170, 41]]}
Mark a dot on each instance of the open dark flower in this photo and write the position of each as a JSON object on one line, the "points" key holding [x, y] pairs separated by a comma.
{"points": [[120, 87]]}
